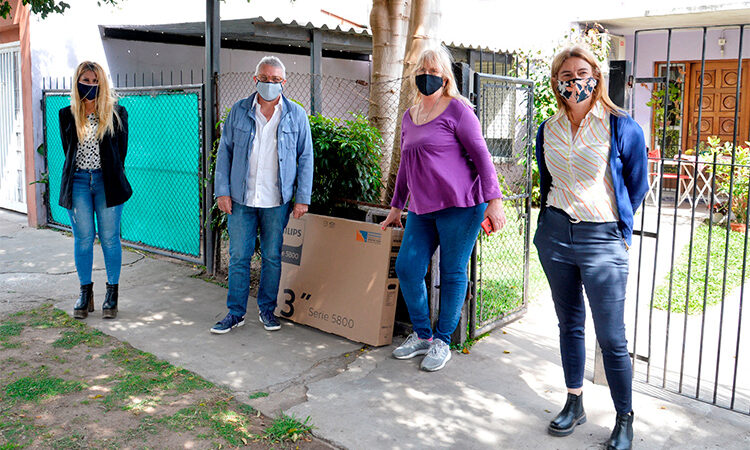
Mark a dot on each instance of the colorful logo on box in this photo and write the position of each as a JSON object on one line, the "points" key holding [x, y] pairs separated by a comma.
{"points": [[369, 237]]}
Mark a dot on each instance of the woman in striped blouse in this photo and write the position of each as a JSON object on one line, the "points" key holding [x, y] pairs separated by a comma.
{"points": [[593, 172]]}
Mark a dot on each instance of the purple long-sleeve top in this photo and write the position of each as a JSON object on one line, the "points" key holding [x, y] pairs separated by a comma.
{"points": [[444, 163]]}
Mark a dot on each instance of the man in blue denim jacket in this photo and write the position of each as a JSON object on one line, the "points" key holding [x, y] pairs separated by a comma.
{"points": [[264, 162]]}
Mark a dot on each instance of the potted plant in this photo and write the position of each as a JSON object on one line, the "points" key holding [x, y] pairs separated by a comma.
{"points": [[740, 181]]}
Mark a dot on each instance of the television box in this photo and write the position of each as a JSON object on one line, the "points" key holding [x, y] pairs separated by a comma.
{"points": [[339, 276]]}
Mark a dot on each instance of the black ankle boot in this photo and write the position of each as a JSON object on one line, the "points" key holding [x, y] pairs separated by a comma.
{"points": [[622, 435], [85, 303], [571, 415], [109, 307]]}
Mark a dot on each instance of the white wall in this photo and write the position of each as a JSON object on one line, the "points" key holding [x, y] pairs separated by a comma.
{"points": [[686, 46], [60, 42]]}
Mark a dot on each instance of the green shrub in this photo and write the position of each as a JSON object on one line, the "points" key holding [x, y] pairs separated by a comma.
{"points": [[347, 162]]}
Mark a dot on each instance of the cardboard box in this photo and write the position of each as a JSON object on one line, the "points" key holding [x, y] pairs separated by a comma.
{"points": [[339, 276]]}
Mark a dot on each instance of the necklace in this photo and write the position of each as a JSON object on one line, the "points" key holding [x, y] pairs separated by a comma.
{"points": [[424, 120]]}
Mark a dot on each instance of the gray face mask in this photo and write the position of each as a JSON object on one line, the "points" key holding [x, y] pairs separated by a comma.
{"points": [[269, 91]]}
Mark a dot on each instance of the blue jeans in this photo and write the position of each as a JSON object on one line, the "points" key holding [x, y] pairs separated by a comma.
{"points": [[592, 256], [89, 204], [455, 231], [244, 224]]}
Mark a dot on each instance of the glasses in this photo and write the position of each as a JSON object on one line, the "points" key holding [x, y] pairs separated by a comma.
{"points": [[265, 79]]}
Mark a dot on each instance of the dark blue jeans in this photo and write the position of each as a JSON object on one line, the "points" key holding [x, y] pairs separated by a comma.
{"points": [[244, 224], [89, 205], [592, 256], [455, 231]]}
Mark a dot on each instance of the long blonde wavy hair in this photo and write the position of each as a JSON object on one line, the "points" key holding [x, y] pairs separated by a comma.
{"points": [[600, 91], [440, 57], [105, 102]]}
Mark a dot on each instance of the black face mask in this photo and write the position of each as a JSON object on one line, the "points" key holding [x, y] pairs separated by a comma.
{"points": [[428, 84]]}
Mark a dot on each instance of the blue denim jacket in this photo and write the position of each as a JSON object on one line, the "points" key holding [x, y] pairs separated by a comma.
{"points": [[627, 161], [294, 148]]}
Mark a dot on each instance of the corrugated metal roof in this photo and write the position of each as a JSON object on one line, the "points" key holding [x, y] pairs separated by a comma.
{"points": [[256, 29]]}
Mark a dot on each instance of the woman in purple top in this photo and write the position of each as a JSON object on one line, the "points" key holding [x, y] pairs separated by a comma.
{"points": [[447, 176]]}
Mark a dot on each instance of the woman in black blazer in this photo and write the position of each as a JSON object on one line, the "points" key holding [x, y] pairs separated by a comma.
{"points": [[94, 131]]}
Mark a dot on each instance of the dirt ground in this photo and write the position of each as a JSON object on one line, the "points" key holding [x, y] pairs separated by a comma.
{"points": [[66, 385]]}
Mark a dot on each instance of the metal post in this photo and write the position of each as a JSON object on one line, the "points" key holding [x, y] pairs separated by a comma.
{"points": [[213, 47], [696, 169], [316, 72], [729, 213]]}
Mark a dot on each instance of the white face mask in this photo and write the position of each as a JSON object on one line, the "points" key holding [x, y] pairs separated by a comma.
{"points": [[269, 91]]}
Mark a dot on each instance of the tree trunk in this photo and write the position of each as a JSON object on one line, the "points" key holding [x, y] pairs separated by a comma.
{"points": [[424, 25], [389, 21]]}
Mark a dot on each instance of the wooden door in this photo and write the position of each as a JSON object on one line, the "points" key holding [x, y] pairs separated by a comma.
{"points": [[719, 100]]}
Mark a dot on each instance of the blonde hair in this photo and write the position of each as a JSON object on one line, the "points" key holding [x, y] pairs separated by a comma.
{"points": [[105, 102], [440, 57], [599, 94]]}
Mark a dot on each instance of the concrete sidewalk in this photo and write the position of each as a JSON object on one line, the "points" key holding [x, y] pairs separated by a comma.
{"points": [[501, 395]]}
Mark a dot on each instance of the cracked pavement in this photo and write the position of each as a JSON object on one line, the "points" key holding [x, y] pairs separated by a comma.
{"points": [[502, 395]]}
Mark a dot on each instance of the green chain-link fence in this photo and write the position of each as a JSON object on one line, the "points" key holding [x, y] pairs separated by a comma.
{"points": [[163, 165]]}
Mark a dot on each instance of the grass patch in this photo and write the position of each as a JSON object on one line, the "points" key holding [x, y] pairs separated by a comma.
{"points": [[16, 431], [6, 344], [698, 271], [145, 375], [255, 395], [222, 421], [10, 328], [500, 262], [75, 440], [90, 337], [48, 317], [40, 385], [287, 428]]}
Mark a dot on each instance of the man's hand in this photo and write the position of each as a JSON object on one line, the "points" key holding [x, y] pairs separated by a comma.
{"points": [[225, 203], [299, 210]]}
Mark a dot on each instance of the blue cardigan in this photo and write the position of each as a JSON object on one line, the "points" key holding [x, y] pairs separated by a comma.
{"points": [[628, 160]]}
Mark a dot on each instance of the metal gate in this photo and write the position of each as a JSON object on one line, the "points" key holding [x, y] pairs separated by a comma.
{"points": [[685, 303], [164, 165], [499, 272], [12, 165]]}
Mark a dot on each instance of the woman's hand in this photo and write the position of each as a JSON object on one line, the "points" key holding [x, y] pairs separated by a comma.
{"points": [[496, 213], [394, 218]]}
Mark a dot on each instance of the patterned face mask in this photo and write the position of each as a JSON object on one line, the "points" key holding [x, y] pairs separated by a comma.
{"points": [[578, 89]]}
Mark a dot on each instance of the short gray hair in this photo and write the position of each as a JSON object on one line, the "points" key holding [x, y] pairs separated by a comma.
{"points": [[271, 61]]}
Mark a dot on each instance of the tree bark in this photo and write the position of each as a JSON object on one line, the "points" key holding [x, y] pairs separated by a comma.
{"points": [[389, 21], [424, 32]]}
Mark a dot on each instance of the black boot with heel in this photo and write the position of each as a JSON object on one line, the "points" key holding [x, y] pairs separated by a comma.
{"points": [[571, 415], [109, 307], [622, 434], [85, 303]]}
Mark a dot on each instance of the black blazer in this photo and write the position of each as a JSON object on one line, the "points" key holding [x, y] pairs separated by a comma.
{"points": [[112, 151]]}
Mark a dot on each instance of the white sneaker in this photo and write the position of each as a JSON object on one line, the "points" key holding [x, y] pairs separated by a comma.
{"points": [[438, 354], [411, 347]]}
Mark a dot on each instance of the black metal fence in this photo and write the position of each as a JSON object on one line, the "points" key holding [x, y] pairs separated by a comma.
{"points": [[691, 241], [500, 262]]}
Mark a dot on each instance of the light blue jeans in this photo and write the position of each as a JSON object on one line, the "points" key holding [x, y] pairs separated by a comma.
{"points": [[455, 230], [89, 214], [243, 226]]}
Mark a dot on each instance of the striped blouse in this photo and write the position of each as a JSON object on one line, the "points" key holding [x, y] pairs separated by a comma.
{"points": [[579, 166]]}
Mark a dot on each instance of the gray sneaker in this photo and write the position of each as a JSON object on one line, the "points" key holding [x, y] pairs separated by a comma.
{"points": [[438, 354], [411, 347]]}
